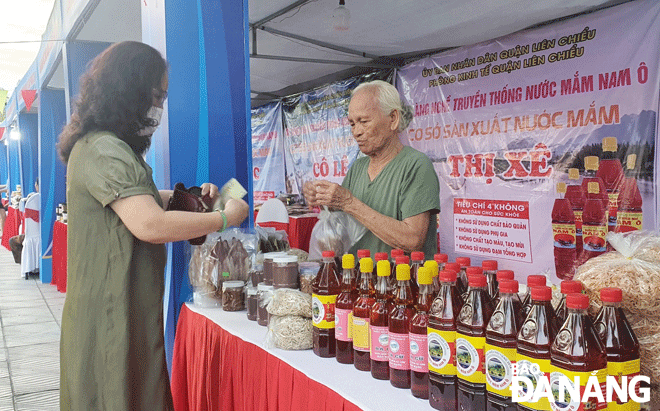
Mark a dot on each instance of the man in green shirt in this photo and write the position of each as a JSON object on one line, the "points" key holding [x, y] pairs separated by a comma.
{"points": [[393, 191]]}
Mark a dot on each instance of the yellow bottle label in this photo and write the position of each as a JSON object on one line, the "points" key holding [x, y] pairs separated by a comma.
{"points": [[323, 311], [442, 351], [500, 363], [564, 381], [564, 235], [619, 370], [361, 335], [627, 221], [470, 358], [534, 369]]}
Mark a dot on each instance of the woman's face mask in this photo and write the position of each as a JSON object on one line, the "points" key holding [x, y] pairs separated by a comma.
{"points": [[154, 113]]}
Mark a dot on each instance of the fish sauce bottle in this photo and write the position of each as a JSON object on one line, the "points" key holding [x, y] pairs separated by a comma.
{"points": [[379, 322], [470, 271], [490, 271], [629, 215], [396, 252], [362, 253], [399, 323], [344, 311], [362, 315], [501, 341], [533, 344], [620, 343], [419, 351], [441, 259], [501, 276], [462, 282], [577, 197], [416, 261], [532, 281], [577, 352], [441, 333], [611, 172], [435, 281], [566, 287], [563, 233], [325, 289], [595, 213]]}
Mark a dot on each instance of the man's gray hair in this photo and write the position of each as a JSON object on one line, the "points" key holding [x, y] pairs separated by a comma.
{"points": [[388, 99]]}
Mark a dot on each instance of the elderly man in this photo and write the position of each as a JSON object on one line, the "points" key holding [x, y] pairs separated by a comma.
{"points": [[394, 190]]}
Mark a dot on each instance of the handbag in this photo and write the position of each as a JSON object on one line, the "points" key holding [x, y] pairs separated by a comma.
{"points": [[190, 199]]}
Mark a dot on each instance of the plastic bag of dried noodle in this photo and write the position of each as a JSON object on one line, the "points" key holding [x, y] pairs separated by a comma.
{"points": [[289, 332], [290, 302]]}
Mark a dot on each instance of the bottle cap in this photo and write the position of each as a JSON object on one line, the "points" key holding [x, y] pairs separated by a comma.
{"points": [[489, 265], [571, 287], [347, 261], [631, 161], [447, 276], [561, 188], [611, 295], [463, 261], [579, 301], [366, 265], [504, 275], [403, 259], [591, 163], [285, 259], [417, 256], [542, 293], [363, 254], [474, 270], [477, 280], [383, 268], [453, 267], [593, 187], [396, 252], [402, 272], [535, 280], [573, 174], [424, 276], [328, 254], [609, 144], [441, 258], [509, 286], [433, 266], [380, 256]]}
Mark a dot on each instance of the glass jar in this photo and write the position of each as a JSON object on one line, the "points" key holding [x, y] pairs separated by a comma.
{"points": [[233, 298], [268, 265], [285, 272], [252, 303], [264, 295], [308, 271], [257, 274]]}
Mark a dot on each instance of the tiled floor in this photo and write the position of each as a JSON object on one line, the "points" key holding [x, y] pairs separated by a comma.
{"points": [[30, 315]]}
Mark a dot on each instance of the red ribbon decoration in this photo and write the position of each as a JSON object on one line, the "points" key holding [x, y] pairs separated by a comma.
{"points": [[28, 97], [31, 213]]}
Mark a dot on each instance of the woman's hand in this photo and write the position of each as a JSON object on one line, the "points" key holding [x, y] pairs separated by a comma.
{"points": [[211, 190], [236, 211], [309, 192], [331, 195]]}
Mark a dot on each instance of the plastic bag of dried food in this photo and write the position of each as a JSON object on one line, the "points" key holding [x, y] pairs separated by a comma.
{"points": [[634, 268], [289, 332], [335, 231], [271, 240], [290, 302], [234, 253], [203, 273]]}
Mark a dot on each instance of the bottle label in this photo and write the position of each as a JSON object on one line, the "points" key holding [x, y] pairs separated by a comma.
{"points": [[380, 343], [578, 222], [626, 221], [499, 369], [593, 238], [533, 369], [419, 352], [612, 207], [399, 355], [564, 235], [563, 382], [360, 334], [623, 369], [323, 310], [442, 351], [470, 358], [343, 324]]}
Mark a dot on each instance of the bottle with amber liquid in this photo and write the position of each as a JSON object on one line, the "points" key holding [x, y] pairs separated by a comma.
{"points": [[455, 267], [344, 311], [416, 261], [402, 259], [462, 282], [379, 322], [629, 215], [490, 271], [399, 323], [325, 289], [396, 252], [441, 259], [362, 314], [419, 351], [362, 253], [577, 352], [441, 333], [532, 281], [620, 343], [469, 271], [501, 340], [533, 344], [501, 276], [567, 287], [435, 282]]}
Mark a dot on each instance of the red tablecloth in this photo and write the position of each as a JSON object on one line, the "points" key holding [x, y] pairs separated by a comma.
{"points": [[12, 225], [59, 256]]}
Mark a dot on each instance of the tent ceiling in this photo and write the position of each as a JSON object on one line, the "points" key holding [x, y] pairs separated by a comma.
{"points": [[386, 28], [113, 21]]}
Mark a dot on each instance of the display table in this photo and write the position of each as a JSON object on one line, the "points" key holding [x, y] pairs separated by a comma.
{"points": [[12, 225], [59, 256], [219, 363]]}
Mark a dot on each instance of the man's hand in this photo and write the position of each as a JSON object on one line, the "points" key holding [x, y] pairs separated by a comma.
{"points": [[331, 195]]}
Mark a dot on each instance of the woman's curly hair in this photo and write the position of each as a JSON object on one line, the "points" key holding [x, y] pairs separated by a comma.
{"points": [[115, 94]]}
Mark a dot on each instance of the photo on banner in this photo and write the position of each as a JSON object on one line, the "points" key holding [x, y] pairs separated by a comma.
{"points": [[505, 121], [267, 152]]}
